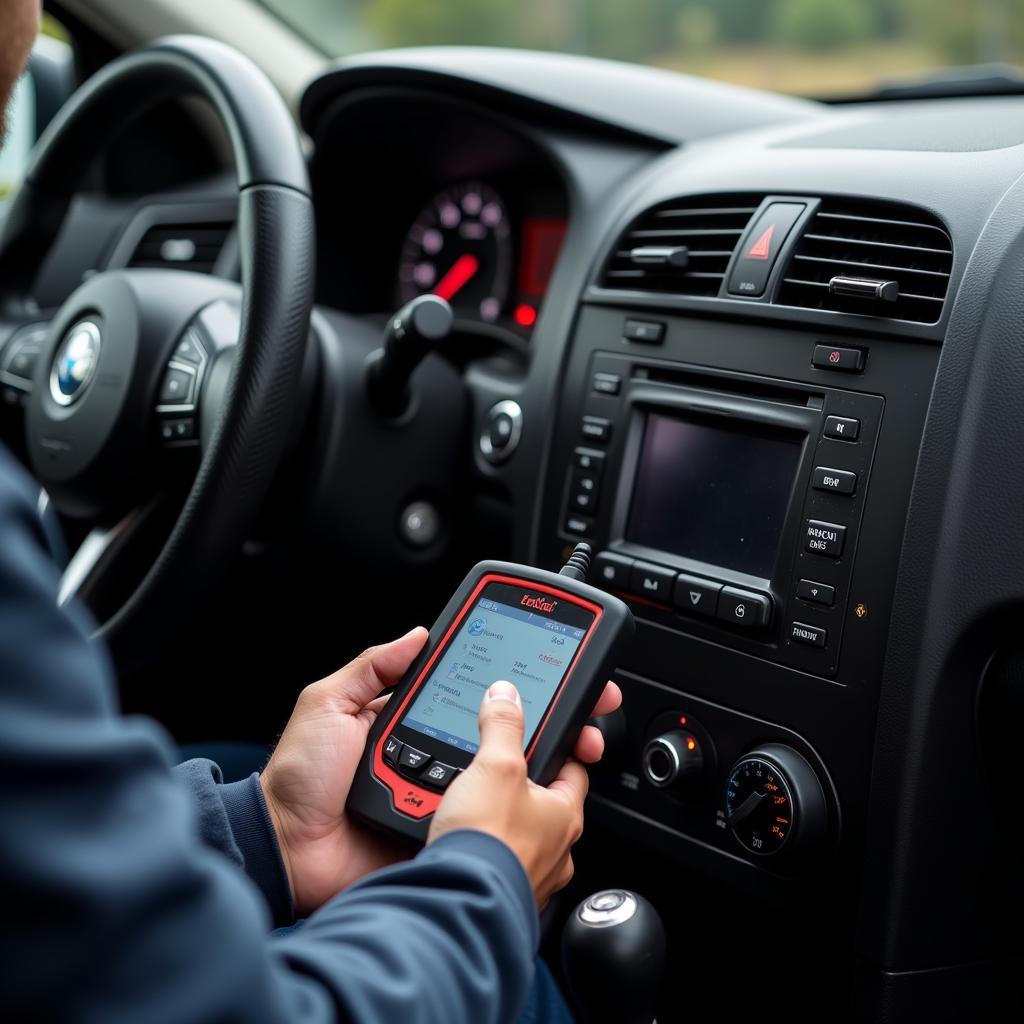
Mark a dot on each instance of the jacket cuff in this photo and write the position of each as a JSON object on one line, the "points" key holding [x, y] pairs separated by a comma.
{"points": [[253, 832], [506, 866]]}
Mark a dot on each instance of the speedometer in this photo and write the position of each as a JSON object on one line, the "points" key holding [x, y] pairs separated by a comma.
{"points": [[460, 248]]}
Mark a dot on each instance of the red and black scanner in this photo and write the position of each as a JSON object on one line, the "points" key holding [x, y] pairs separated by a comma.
{"points": [[551, 634]]}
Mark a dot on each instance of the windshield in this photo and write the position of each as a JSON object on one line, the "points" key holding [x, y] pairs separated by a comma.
{"points": [[820, 48]]}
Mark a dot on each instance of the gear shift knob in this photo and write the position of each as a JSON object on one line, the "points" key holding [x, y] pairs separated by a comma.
{"points": [[613, 951]]}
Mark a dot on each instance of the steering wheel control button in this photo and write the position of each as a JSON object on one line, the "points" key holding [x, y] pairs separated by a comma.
{"points": [[824, 538], [420, 524], [654, 582], [743, 608], [842, 428], [19, 361], [761, 247], [611, 571], [411, 760], [438, 774], [802, 633], [607, 383], [183, 429], [392, 751], [816, 593], [696, 596], [191, 350], [648, 332], [839, 481], [178, 386], [848, 360], [581, 526], [501, 431], [75, 363], [596, 428]]}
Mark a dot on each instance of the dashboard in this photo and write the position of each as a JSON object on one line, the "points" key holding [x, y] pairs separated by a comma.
{"points": [[765, 356]]}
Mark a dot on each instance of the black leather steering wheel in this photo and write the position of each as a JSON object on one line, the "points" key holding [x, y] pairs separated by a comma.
{"points": [[92, 429]]}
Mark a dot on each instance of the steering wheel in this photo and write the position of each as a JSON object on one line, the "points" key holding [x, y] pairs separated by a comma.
{"points": [[125, 358]]}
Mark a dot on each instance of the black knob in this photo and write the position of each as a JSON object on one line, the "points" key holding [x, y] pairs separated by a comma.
{"points": [[673, 759], [613, 951], [775, 804], [412, 333]]}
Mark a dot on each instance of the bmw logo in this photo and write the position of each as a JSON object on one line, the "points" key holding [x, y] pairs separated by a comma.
{"points": [[75, 364]]}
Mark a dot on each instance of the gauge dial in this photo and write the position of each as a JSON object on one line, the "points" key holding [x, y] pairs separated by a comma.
{"points": [[460, 248], [759, 806]]}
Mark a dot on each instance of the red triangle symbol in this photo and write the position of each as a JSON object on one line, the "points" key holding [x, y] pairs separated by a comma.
{"points": [[761, 249]]}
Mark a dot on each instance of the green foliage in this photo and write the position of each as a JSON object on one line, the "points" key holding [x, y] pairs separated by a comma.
{"points": [[822, 24]]}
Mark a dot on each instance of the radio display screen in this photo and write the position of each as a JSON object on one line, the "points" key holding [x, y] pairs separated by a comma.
{"points": [[714, 493]]}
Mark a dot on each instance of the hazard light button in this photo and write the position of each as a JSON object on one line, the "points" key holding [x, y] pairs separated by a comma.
{"points": [[760, 248]]}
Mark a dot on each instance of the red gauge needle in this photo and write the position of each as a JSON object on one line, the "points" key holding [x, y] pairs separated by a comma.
{"points": [[458, 274]]}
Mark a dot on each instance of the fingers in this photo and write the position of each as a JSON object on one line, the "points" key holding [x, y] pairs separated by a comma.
{"points": [[358, 682], [572, 783], [590, 745], [609, 701], [501, 727]]}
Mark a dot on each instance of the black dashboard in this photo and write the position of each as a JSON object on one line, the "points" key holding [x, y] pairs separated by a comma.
{"points": [[766, 357]]}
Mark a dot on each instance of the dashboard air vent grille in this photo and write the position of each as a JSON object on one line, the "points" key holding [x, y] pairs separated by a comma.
{"points": [[182, 246], [876, 258], [695, 236]]}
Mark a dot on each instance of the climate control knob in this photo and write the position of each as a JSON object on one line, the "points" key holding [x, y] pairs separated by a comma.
{"points": [[774, 802], [673, 759]]}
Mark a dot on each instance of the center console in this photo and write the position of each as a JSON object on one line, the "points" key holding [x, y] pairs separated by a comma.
{"points": [[745, 488]]}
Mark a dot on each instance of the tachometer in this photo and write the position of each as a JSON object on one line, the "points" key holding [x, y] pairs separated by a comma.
{"points": [[460, 248]]}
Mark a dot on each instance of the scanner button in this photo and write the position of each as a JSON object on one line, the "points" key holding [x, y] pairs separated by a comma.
{"points": [[392, 750], [438, 775], [412, 759]]}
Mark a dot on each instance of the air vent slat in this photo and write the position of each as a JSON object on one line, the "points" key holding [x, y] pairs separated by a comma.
{"points": [[871, 240], [709, 227], [193, 247]]}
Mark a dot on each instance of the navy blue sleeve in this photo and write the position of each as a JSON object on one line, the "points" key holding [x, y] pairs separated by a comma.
{"points": [[115, 909]]}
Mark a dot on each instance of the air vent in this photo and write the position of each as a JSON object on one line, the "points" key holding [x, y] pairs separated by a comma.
{"points": [[182, 246], [681, 247], [876, 258]]}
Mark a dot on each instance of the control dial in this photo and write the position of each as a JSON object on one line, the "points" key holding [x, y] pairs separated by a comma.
{"points": [[673, 759], [774, 802]]}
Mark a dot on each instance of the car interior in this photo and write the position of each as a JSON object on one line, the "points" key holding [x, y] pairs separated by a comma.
{"points": [[763, 353]]}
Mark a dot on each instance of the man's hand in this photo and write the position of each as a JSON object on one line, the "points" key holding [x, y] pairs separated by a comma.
{"points": [[308, 778], [494, 795]]}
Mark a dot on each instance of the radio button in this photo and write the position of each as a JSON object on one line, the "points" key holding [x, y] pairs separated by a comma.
{"points": [[438, 775], [588, 461], [596, 428], [842, 428], [392, 750], [801, 633], [579, 525], [411, 760], [743, 607], [696, 596], [650, 332], [829, 357], [607, 383], [612, 571], [824, 538], [839, 481], [652, 581], [816, 593]]}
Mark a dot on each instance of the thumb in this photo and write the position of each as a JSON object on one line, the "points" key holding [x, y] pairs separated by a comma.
{"points": [[501, 722], [358, 682]]}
